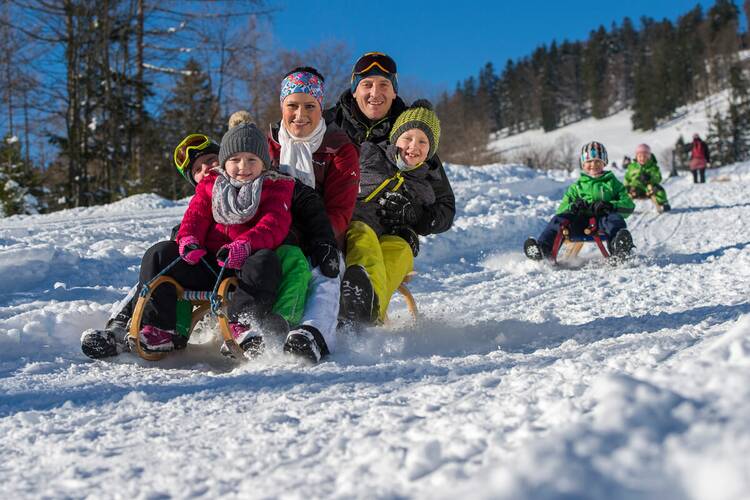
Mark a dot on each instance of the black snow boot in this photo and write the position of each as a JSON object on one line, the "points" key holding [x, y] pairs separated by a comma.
{"points": [[666, 207], [307, 343], [359, 304], [109, 342], [621, 245], [534, 250]]}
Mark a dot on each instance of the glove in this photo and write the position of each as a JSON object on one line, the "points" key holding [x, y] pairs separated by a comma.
{"points": [[578, 206], [409, 235], [398, 210], [326, 256], [190, 250], [602, 208], [644, 178], [234, 254]]}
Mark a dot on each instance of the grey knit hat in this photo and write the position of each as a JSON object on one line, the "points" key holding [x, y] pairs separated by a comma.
{"points": [[244, 138]]}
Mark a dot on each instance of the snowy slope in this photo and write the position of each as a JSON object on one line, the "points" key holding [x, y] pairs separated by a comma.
{"points": [[616, 133], [523, 381]]}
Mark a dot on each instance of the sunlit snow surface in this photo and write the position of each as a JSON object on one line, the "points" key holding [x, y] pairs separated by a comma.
{"points": [[522, 381]]}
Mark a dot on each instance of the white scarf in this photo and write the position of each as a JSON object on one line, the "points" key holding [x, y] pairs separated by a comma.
{"points": [[296, 153]]}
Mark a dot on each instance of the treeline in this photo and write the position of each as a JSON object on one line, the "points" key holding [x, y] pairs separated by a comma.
{"points": [[96, 93], [653, 68]]}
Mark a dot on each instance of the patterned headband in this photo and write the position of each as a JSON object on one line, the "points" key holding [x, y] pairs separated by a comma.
{"points": [[304, 82]]}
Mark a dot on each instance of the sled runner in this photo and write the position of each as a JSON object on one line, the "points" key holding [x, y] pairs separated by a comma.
{"points": [[573, 244], [411, 304], [202, 302]]}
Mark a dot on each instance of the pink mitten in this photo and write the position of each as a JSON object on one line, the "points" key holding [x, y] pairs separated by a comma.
{"points": [[234, 254], [190, 250]]}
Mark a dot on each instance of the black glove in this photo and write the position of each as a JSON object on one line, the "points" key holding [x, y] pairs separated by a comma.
{"points": [[602, 208], [644, 178], [326, 256], [578, 206], [398, 210], [409, 235]]}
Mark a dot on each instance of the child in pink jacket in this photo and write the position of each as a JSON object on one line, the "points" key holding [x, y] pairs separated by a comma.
{"points": [[238, 216]]}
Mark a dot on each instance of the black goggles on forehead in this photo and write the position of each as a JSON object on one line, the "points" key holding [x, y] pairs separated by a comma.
{"points": [[371, 60]]}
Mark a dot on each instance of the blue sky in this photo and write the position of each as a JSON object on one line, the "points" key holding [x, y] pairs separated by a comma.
{"points": [[439, 42]]}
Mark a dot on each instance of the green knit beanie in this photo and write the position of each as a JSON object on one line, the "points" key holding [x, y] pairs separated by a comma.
{"points": [[419, 115]]}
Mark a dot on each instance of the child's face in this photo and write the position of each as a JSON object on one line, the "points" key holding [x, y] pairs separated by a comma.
{"points": [[202, 165], [301, 114], [244, 167], [594, 168], [414, 146], [642, 157]]}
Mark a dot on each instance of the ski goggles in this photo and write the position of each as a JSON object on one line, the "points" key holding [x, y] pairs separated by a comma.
{"points": [[372, 61], [186, 149]]}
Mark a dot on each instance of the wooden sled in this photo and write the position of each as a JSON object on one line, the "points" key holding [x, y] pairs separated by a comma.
{"points": [[649, 195], [201, 301], [574, 244]]}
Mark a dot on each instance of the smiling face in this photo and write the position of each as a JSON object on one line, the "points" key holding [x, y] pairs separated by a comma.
{"points": [[414, 146], [202, 165], [642, 157], [594, 168], [300, 114], [374, 96], [244, 167]]}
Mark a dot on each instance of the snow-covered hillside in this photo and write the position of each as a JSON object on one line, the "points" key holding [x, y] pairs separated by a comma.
{"points": [[616, 132], [523, 381]]}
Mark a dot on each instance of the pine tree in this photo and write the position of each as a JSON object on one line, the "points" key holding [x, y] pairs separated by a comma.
{"points": [[739, 115], [594, 72], [718, 132], [189, 109], [19, 186], [550, 110]]}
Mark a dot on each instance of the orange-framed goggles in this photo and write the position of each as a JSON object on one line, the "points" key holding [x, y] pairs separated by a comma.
{"points": [[372, 60]]}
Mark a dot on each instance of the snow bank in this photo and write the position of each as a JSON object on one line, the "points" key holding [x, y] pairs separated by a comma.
{"points": [[521, 381]]}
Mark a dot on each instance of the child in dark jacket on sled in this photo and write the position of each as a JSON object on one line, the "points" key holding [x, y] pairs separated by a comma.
{"points": [[598, 194], [381, 242], [238, 216]]}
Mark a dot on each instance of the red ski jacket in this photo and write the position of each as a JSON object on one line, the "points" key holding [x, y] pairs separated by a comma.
{"points": [[699, 155], [267, 229], [336, 164]]}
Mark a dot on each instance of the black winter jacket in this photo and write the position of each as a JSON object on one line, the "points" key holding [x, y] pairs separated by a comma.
{"points": [[378, 164], [310, 224], [436, 218]]}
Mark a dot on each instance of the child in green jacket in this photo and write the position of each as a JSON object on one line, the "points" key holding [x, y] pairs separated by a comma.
{"points": [[643, 178], [597, 193]]}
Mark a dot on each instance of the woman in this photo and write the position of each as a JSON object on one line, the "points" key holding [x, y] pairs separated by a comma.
{"points": [[326, 160], [699, 159]]}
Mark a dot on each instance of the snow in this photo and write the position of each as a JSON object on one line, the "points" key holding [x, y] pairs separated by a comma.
{"points": [[523, 381], [616, 133]]}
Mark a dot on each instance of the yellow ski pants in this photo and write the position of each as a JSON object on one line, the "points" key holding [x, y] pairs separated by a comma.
{"points": [[387, 260]]}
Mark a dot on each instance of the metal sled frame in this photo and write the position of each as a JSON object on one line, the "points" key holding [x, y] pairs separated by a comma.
{"points": [[573, 244], [203, 302]]}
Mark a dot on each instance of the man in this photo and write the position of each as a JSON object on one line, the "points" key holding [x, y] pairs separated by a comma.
{"points": [[367, 111]]}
